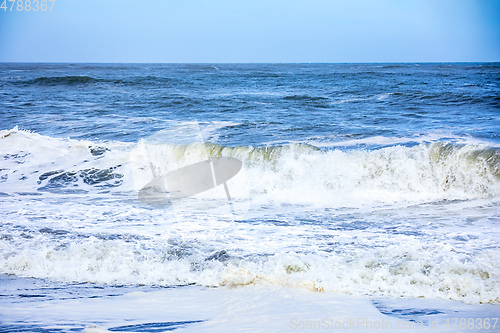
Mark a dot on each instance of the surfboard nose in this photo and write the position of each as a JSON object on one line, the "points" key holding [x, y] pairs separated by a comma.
{"points": [[225, 168]]}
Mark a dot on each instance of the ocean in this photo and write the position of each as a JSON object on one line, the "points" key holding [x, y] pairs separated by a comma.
{"points": [[363, 197]]}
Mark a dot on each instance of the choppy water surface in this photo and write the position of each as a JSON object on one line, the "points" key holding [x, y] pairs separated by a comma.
{"points": [[373, 180]]}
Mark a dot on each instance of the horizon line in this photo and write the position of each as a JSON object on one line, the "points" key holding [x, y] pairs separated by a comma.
{"points": [[250, 63]]}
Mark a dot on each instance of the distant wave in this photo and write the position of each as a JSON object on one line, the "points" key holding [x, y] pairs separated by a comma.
{"points": [[61, 80], [390, 66], [75, 80], [306, 98]]}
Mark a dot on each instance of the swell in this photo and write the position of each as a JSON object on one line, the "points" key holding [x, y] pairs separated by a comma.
{"points": [[61, 80], [81, 80]]}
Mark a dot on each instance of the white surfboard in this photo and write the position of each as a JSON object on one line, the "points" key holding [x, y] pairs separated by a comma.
{"points": [[190, 180]]}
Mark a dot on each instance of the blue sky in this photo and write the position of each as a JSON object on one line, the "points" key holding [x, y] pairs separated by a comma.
{"points": [[254, 31]]}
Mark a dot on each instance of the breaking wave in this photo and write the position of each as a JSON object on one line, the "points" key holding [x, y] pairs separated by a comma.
{"points": [[120, 242], [285, 173]]}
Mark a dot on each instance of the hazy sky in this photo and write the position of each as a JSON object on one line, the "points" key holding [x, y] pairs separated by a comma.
{"points": [[253, 31]]}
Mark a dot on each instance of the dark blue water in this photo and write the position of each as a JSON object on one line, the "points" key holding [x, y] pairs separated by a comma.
{"points": [[400, 200], [269, 103]]}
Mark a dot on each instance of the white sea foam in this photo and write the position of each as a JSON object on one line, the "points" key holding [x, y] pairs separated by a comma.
{"points": [[270, 309], [198, 309], [291, 173], [181, 253], [299, 173], [398, 238]]}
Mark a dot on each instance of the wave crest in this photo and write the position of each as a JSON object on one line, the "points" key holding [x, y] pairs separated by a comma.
{"points": [[294, 173], [304, 173]]}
